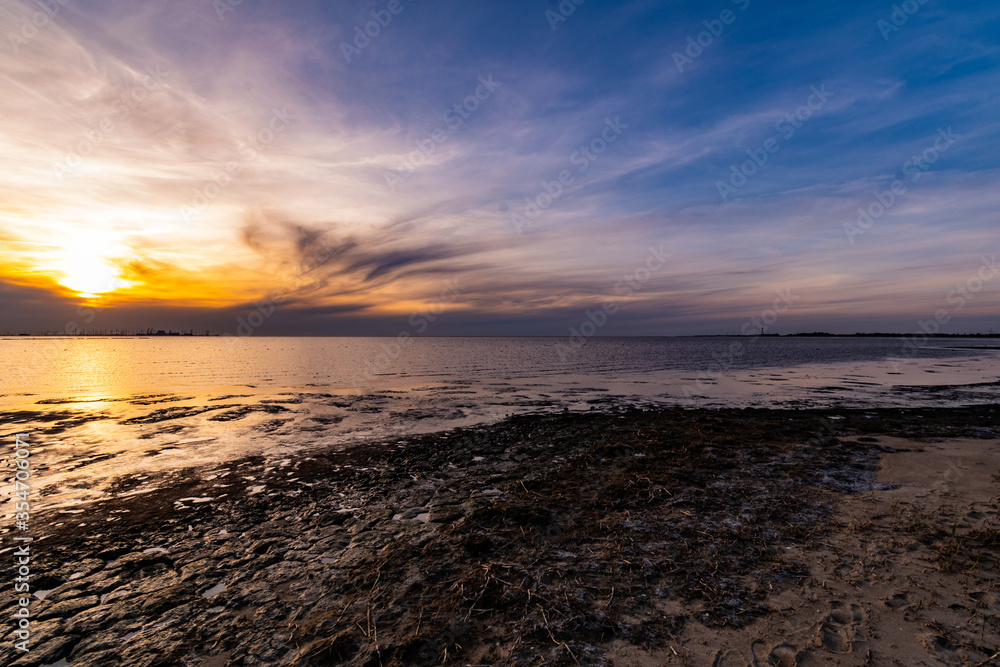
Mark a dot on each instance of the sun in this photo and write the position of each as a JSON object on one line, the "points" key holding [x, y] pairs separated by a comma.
{"points": [[91, 276], [87, 267]]}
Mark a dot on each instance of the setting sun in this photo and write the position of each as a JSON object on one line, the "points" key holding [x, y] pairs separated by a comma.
{"points": [[90, 275], [90, 264]]}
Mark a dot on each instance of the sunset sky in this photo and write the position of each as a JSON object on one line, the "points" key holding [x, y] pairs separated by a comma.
{"points": [[511, 165]]}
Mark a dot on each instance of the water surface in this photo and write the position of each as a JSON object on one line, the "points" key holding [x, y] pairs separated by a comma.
{"points": [[100, 409]]}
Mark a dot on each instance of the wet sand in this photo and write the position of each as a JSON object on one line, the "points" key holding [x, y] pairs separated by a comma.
{"points": [[687, 537], [906, 576], [85, 441]]}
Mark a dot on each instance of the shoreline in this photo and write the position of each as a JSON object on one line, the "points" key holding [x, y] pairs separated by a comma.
{"points": [[599, 539], [89, 440]]}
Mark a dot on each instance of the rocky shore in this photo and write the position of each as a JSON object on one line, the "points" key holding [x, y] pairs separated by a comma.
{"points": [[573, 539]]}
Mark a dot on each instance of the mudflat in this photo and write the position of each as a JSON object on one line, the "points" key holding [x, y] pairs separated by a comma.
{"points": [[679, 537], [906, 575]]}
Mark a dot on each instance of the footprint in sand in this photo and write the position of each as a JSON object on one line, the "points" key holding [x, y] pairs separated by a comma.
{"points": [[898, 600], [943, 649], [984, 599], [902, 602], [784, 656], [840, 629], [729, 659], [766, 653]]}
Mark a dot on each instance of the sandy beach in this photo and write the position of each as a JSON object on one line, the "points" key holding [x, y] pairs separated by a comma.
{"points": [[907, 576], [671, 537]]}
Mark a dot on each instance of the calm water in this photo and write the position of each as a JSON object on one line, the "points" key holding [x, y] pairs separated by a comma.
{"points": [[101, 408], [87, 366]]}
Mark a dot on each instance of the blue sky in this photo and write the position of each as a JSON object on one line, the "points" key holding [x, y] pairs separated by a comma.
{"points": [[171, 218]]}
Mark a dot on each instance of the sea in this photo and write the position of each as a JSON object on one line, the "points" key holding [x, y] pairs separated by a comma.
{"points": [[99, 409]]}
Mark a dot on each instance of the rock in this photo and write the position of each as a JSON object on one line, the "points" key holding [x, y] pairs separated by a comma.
{"points": [[101, 583], [114, 637], [113, 552], [445, 514], [41, 632], [90, 621], [269, 529], [67, 591], [126, 611], [69, 607], [100, 659], [265, 545], [81, 569], [168, 598], [229, 552], [49, 652], [197, 568], [137, 588], [138, 561]]}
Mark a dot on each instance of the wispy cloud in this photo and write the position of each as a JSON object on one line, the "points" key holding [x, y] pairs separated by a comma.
{"points": [[140, 157]]}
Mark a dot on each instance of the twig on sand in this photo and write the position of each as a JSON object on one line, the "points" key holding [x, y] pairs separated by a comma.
{"points": [[342, 612], [989, 659], [556, 641]]}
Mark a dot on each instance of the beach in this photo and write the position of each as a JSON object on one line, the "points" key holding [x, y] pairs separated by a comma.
{"points": [[629, 537], [513, 334]]}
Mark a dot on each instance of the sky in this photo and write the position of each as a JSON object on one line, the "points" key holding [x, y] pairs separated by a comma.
{"points": [[514, 168]]}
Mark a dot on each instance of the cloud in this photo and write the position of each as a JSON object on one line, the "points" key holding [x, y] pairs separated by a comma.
{"points": [[184, 185]]}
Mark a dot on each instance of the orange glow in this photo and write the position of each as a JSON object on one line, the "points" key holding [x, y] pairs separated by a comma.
{"points": [[86, 263], [91, 276]]}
